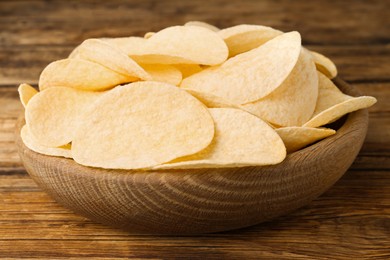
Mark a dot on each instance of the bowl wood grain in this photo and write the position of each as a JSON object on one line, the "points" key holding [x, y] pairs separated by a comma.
{"points": [[200, 200]]}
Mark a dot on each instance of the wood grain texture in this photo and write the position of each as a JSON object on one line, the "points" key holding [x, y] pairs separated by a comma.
{"points": [[351, 220], [202, 200]]}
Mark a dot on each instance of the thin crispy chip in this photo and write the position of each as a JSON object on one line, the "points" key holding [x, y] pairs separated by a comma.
{"points": [[163, 73], [211, 101], [26, 92], [29, 141], [241, 139], [293, 103], [183, 45], [130, 45], [110, 56], [333, 104], [53, 114], [252, 75], [148, 35], [188, 69], [202, 24], [80, 74], [141, 125], [245, 37], [296, 137], [324, 65]]}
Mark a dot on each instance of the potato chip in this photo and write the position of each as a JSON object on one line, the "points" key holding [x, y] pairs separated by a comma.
{"points": [[141, 125], [293, 103], [333, 104], [202, 24], [211, 101], [130, 45], [324, 65], [148, 35], [245, 37], [188, 69], [26, 92], [252, 75], [183, 45], [241, 139], [29, 141], [80, 74], [110, 56], [163, 73], [53, 114], [295, 137]]}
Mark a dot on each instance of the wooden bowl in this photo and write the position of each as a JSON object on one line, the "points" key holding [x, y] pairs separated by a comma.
{"points": [[200, 200]]}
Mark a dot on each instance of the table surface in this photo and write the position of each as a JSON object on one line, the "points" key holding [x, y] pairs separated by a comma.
{"points": [[352, 219]]}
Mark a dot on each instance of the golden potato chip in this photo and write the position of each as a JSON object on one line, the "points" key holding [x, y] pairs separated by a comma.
{"points": [[241, 139], [110, 56], [80, 74], [295, 137], [188, 69], [130, 45], [183, 45], [245, 37], [202, 24], [252, 75], [26, 92], [148, 35], [324, 65], [293, 103], [333, 104], [163, 73], [74, 52], [29, 141], [52, 115], [141, 125], [211, 101]]}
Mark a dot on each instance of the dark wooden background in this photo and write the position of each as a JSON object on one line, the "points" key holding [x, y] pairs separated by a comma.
{"points": [[351, 220]]}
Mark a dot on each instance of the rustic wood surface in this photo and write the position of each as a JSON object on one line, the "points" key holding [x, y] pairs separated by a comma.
{"points": [[351, 220]]}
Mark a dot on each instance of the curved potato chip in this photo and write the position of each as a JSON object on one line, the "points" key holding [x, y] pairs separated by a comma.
{"points": [[74, 52], [26, 92], [163, 73], [111, 57], [188, 69], [202, 24], [130, 45], [295, 137], [148, 35], [53, 114], [141, 125], [241, 139], [333, 104], [211, 101], [293, 103], [245, 37], [252, 75], [28, 140], [80, 74], [324, 65], [184, 44]]}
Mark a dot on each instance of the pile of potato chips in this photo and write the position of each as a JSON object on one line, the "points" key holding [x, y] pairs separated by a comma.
{"points": [[191, 96]]}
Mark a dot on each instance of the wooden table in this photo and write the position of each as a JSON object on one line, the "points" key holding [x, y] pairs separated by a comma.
{"points": [[351, 220]]}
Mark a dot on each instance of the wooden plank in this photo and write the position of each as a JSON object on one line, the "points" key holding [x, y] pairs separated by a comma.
{"points": [[355, 63], [358, 205], [320, 22]]}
